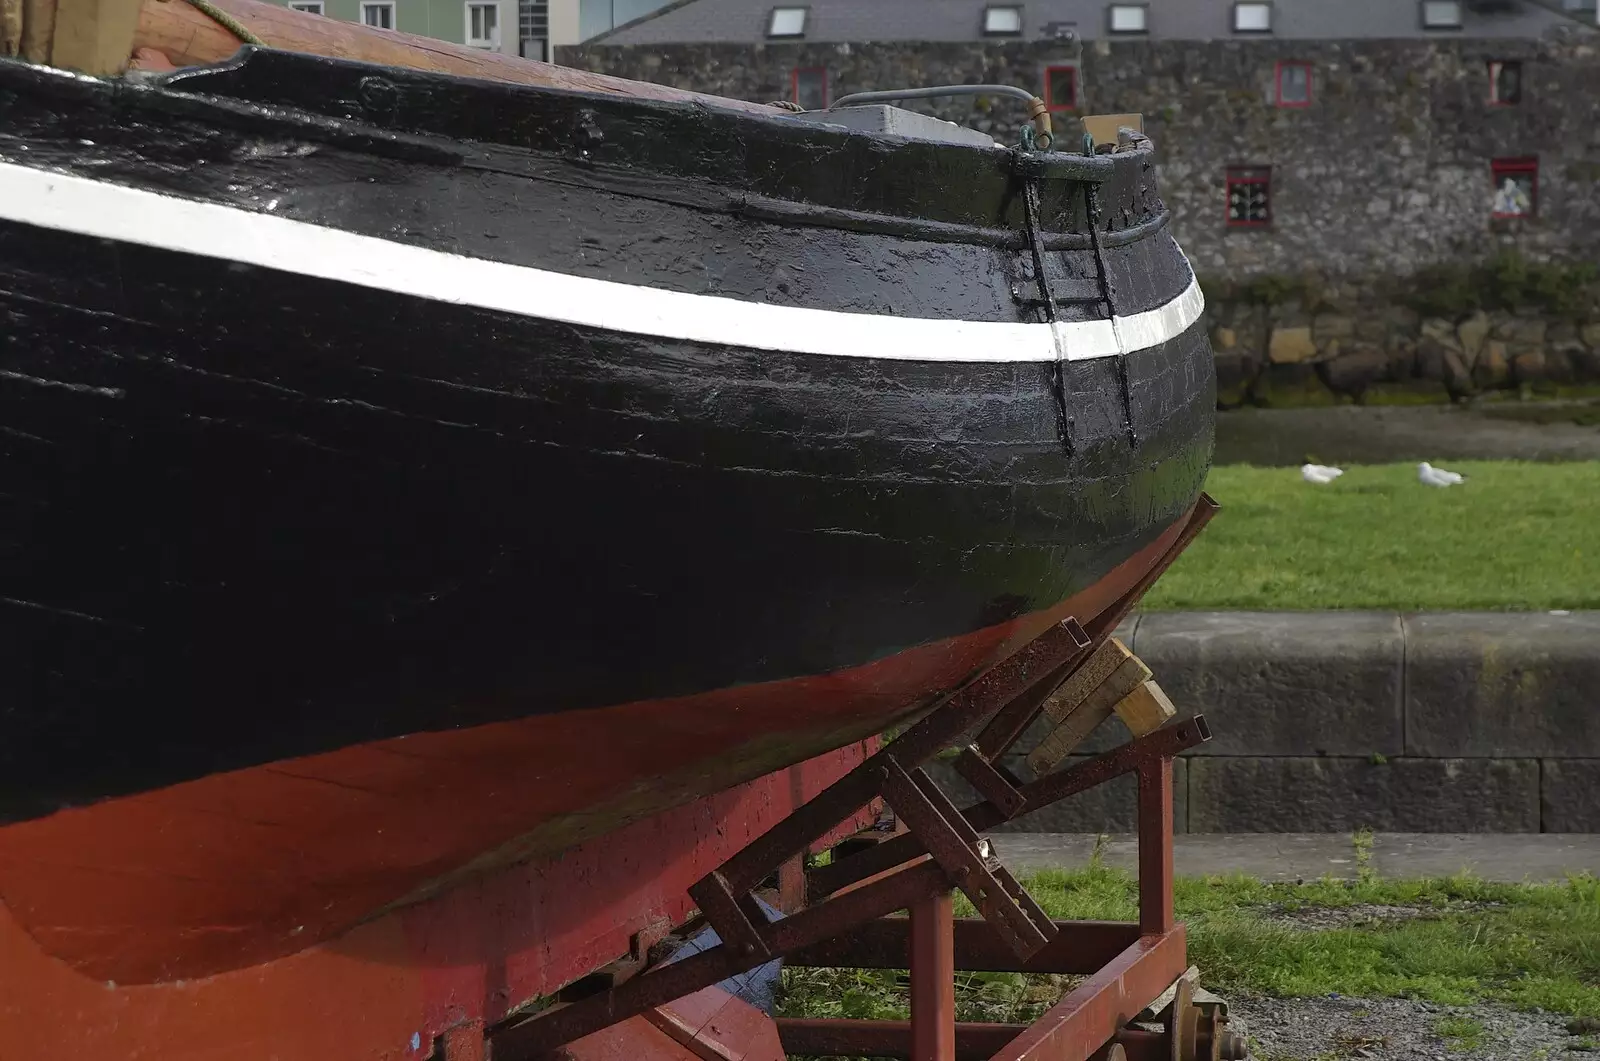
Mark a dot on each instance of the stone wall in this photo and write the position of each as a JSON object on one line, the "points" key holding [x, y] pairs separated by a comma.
{"points": [[1379, 188], [1290, 343], [1332, 721]]}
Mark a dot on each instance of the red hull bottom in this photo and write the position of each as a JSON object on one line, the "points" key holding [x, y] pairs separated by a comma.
{"points": [[388, 988], [338, 905]]}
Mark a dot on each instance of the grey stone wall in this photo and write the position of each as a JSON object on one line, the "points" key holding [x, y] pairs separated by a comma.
{"points": [[1385, 172], [1313, 350], [1327, 722], [1385, 176]]}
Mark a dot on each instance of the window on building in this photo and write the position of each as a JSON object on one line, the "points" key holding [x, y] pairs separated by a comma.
{"points": [[378, 13], [533, 29], [1293, 81], [1061, 87], [1505, 83], [809, 87], [1441, 14], [1249, 196], [1252, 17], [1128, 18], [787, 22], [1002, 21], [483, 24], [601, 16], [1516, 187], [310, 7]]}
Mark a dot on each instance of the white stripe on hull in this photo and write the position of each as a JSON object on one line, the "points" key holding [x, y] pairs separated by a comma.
{"points": [[69, 203]]}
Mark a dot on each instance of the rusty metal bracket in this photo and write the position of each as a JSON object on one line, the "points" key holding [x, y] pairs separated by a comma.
{"points": [[1011, 721], [966, 858], [731, 915], [993, 782], [1168, 741], [985, 849]]}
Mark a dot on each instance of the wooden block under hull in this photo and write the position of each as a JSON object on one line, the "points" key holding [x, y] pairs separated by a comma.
{"points": [[1146, 709], [1087, 699]]}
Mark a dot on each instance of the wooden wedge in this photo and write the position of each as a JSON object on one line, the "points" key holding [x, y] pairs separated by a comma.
{"points": [[1146, 709], [1085, 700]]}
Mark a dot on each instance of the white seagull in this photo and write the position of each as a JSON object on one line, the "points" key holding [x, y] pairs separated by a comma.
{"points": [[1428, 475], [1319, 473]]}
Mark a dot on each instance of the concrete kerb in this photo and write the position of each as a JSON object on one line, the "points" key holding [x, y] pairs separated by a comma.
{"points": [[1331, 721]]}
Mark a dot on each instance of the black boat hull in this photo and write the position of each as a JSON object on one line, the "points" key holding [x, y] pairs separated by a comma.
{"points": [[389, 456], [258, 453]]}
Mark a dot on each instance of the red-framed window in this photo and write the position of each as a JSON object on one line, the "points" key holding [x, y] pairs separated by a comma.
{"points": [[1516, 187], [1249, 196], [1505, 82], [808, 87], [1061, 87], [1292, 84]]}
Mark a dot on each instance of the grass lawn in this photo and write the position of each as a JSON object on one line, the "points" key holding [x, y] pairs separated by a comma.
{"points": [[1515, 536], [1525, 945]]}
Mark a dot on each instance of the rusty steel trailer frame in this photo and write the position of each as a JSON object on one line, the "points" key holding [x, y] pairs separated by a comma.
{"points": [[940, 850]]}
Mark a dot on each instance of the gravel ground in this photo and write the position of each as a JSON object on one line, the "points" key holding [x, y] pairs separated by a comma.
{"points": [[1387, 1029], [1360, 915]]}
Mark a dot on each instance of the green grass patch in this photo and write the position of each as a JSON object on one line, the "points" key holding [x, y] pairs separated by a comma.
{"points": [[1461, 1033], [1525, 945], [1516, 536]]}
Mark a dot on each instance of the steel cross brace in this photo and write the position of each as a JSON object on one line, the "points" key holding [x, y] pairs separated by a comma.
{"points": [[1144, 756], [1131, 963], [1077, 1028], [1006, 697], [852, 927], [723, 895]]}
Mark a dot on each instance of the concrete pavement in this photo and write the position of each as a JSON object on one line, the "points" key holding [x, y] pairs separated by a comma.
{"points": [[1307, 856]]}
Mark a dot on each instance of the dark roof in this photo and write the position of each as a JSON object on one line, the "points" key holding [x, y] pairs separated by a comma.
{"points": [[863, 21]]}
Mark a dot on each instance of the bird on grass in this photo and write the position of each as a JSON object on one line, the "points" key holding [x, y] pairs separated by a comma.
{"points": [[1319, 473], [1428, 475]]}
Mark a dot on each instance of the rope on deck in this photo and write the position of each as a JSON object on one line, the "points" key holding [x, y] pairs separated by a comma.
{"points": [[228, 22]]}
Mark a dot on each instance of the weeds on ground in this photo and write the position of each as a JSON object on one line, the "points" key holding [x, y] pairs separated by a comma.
{"points": [[1525, 945], [1361, 841], [1460, 1033], [1346, 1043]]}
